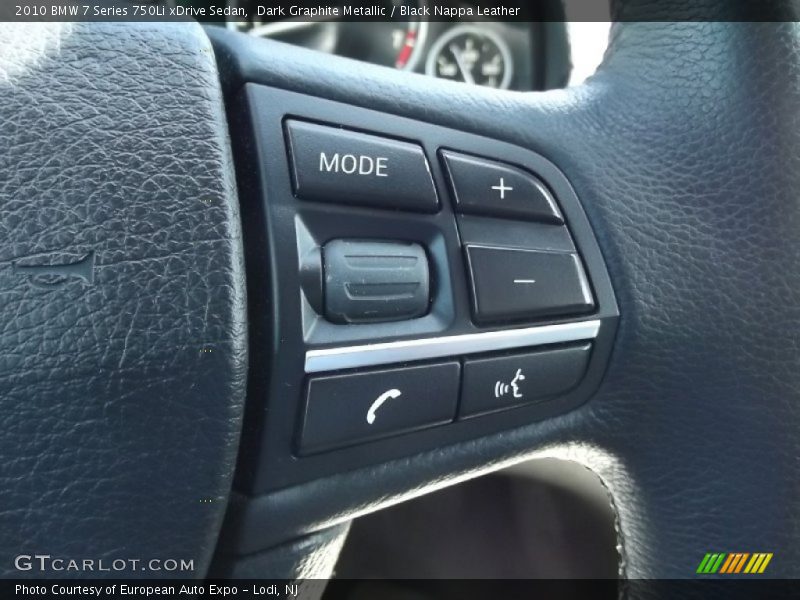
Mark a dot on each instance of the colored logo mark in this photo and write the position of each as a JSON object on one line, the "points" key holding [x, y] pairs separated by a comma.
{"points": [[734, 562]]}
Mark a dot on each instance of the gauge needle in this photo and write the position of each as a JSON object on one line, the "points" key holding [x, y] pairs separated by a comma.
{"points": [[456, 52]]}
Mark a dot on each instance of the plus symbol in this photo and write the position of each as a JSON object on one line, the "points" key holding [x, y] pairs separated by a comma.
{"points": [[502, 188]]}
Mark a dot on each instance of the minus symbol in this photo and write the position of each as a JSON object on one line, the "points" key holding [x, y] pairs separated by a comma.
{"points": [[524, 281]]}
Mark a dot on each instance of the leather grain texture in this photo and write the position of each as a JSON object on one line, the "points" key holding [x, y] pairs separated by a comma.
{"points": [[121, 385], [683, 149], [312, 557]]}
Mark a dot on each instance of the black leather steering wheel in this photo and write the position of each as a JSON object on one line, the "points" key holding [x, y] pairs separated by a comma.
{"points": [[122, 385]]}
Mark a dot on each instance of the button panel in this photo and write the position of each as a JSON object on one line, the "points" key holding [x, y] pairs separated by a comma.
{"points": [[498, 383], [349, 408], [342, 166], [327, 364], [486, 187], [515, 284], [344, 409]]}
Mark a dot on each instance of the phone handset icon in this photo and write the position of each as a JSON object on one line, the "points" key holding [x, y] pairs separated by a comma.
{"points": [[388, 395]]}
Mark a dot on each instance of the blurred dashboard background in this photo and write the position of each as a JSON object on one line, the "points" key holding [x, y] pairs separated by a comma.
{"points": [[547, 53]]}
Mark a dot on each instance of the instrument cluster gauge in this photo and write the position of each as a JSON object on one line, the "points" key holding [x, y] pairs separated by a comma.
{"points": [[472, 54], [397, 43]]}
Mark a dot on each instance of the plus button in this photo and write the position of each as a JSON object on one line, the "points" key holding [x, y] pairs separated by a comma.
{"points": [[502, 188]]}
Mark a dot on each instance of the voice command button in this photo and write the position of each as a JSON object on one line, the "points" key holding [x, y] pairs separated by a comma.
{"points": [[498, 383]]}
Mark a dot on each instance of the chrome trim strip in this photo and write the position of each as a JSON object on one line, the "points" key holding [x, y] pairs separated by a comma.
{"points": [[350, 357]]}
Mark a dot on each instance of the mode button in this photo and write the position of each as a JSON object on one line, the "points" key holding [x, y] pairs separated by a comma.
{"points": [[337, 165]]}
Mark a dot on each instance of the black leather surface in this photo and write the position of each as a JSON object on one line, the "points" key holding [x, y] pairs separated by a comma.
{"points": [[683, 150], [120, 392], [312, 557]]}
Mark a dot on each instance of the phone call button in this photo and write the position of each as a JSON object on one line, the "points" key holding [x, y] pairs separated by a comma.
{"points": [[355, 407]]}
